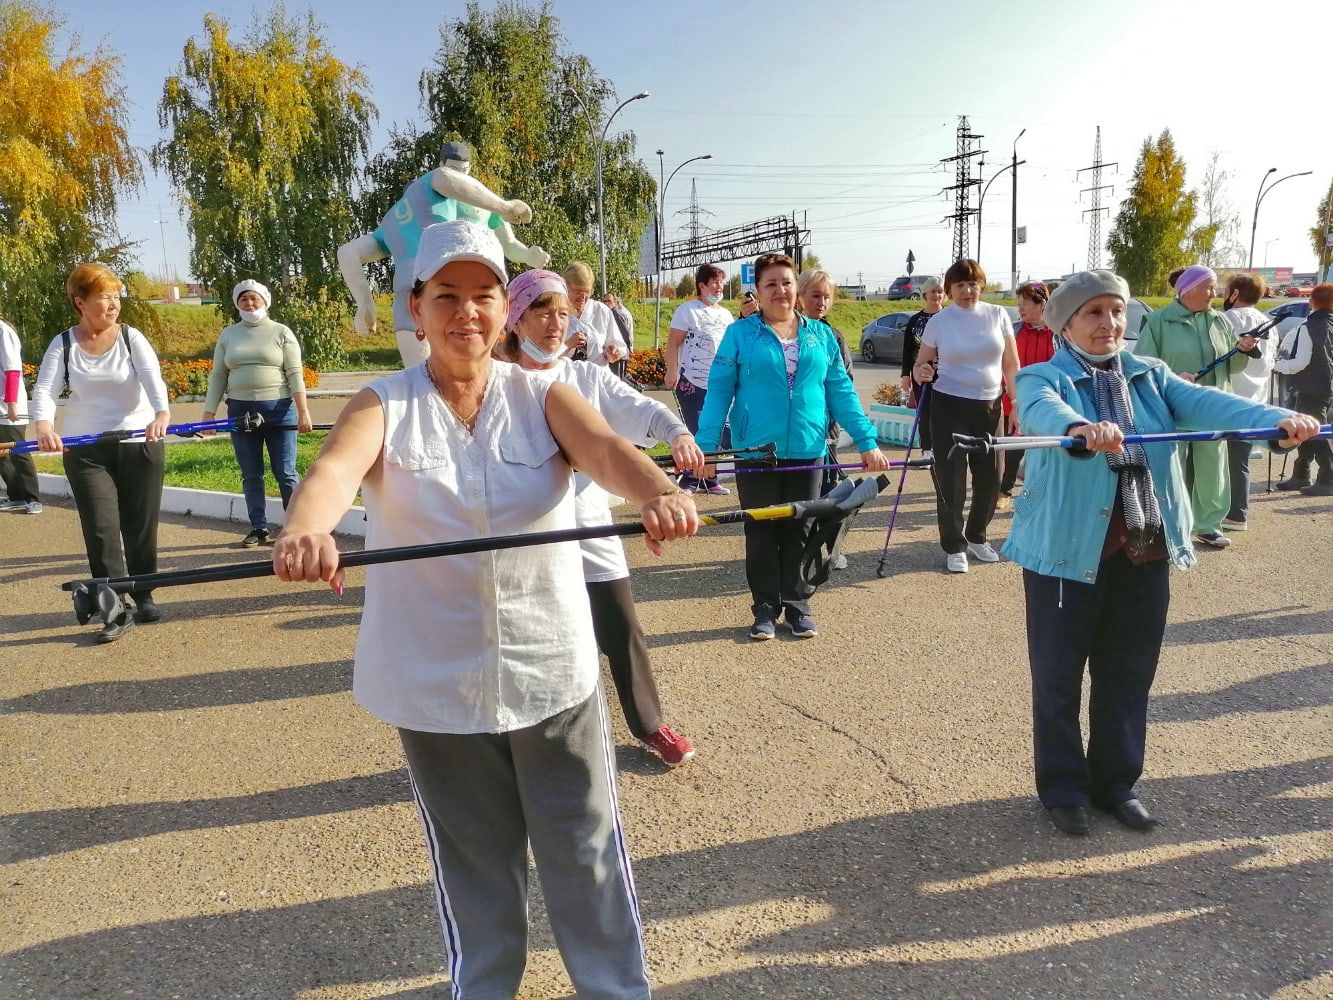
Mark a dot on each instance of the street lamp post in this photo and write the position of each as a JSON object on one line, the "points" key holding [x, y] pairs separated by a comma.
{"points": [[982, 200], [599, 154], [1013, 227], [1267, 244], [1263, 193], [661, 210]]}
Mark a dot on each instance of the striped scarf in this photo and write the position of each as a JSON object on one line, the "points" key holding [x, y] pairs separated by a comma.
{"points": [[1138, 500]]}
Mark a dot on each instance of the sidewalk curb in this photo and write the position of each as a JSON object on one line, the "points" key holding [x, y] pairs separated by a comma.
{"points": [[208, 503]]}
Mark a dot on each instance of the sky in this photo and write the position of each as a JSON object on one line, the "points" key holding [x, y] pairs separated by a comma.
{"points": [[842, 110]]}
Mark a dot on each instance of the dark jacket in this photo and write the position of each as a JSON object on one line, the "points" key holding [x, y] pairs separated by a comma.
{"points": [[1316, 378], [912, 331]]}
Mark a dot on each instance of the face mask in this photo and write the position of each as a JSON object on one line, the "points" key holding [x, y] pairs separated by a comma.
{"points": [[712, 299], [537, 354], [1092, 359], [252, 316]]}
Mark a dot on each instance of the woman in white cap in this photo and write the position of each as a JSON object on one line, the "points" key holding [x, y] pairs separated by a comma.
{"points": [[539, 314], [257, 365], [487, 664], [1096, 534]]}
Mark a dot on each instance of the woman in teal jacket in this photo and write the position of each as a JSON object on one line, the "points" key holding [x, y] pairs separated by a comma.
{"points": [[776, 377], [1096, 534]]}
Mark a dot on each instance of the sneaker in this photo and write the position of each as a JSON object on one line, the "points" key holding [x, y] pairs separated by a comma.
{"points": [[983, 552], [802, 626], [1298, 481], [763, 628], [146, 611], [927, 455], [668, 744], [840, 562], [116, 627], [12, 504], [1235, 524], [956, 562], [716, 490], [1215, 539], [33, 507], [258, 536]]}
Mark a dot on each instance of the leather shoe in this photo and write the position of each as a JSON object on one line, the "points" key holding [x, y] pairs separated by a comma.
{"points": [[146, 611], [1072, 820], [116, 627], [1132, 814]]}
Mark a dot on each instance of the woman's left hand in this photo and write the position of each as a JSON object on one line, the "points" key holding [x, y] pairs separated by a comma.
{"points": [[667, 517], [1299, 427], [157, 430], [304, 425], [686, 453], [1011, 424], [874, 460]]}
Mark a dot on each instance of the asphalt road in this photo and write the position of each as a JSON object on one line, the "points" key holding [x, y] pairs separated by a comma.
{"points": [[201, 811]]}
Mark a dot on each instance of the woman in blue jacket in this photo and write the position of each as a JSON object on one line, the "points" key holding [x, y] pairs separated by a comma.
{"points": [[1096, 534], [776, 377]]}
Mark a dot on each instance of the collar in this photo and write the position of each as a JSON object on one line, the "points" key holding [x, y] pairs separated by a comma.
{"points": [[1131, 364]]}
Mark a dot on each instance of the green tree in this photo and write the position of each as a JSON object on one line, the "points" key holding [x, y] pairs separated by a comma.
{"points": [[65, 161], [810, 262], [268, 136], [1323, 224], [1153, 227], [685, 286], [502, 82]]}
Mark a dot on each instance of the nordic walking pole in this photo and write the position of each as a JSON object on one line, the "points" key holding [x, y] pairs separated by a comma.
{"points": [[1259, 333], [102, 595], [986, 444], [764, 453], [249, 422], [898, 497]]}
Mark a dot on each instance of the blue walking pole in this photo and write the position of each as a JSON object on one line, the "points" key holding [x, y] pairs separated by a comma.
{"points": [[249, 422]]}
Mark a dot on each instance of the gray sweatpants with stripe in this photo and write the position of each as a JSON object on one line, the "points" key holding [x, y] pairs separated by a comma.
{"points": [[483, 797]]}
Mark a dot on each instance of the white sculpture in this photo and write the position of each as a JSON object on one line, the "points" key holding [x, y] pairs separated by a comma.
{"points": [[449, 192]]}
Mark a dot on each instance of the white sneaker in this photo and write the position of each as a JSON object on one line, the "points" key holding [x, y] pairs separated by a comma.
{"points": [[983, 552], [956, 562], [33, 507], [12, 504], [840, 562], [928, 455]]}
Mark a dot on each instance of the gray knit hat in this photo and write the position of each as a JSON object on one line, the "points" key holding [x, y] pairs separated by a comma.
{"points": [[1077, 291]]}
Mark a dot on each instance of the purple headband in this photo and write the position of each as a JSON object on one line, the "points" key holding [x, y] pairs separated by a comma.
{"points": [[527, 288], [1192, 276]]}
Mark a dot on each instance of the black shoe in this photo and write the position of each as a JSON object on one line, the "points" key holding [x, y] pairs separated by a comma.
{"points": [[1300, 478], [259, 536], [116, 627], [1072, 820], [1322, 487], [1132, 814], [146, 611]]}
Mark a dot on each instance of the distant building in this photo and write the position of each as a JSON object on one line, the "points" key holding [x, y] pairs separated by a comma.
{"points": [[857, 292]]}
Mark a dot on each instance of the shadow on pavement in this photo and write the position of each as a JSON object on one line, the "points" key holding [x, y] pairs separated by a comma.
{"points": [[1259, 623], [1283, 691], [977, 899]]}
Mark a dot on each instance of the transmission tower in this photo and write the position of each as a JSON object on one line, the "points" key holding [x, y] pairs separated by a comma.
{"points": [[969, 145], [1095, 231], [694, 227]]}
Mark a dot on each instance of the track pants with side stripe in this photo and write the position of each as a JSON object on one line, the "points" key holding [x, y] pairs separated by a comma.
{"points": [[483, 798]]}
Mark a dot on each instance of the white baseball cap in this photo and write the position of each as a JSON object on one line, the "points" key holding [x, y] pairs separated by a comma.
{"points": [[446, 242]]}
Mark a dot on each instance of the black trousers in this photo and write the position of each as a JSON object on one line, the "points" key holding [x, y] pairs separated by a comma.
{"points": [[620, 638], [1316, 452], [118, 490], [18, 472], [773, 549], [1010, 477], [1115, 628], [1238, 476], [951, 415]]}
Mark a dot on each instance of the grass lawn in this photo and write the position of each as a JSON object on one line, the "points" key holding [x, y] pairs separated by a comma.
{"points": [[211, 464]]}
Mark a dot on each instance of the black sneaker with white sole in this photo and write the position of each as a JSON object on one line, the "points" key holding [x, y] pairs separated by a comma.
{"points": [[259, 536]]}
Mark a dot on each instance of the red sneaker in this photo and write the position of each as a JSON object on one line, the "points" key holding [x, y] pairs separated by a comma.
{"points": [[668, 744]]}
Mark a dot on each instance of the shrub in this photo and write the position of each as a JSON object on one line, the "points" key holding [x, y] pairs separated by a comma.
{"points": [[183, 378], [318, 320], [890, 394], [647, 367]]}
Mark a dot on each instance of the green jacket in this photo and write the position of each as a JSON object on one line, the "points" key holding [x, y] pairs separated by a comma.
{"points": [[1187, 341]]}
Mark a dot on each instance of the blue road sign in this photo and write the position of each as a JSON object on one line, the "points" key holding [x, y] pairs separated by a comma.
{"points": [[747, 274]]}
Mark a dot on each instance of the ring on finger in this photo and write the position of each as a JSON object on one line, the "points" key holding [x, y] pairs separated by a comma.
{"points": [[678, 515]]}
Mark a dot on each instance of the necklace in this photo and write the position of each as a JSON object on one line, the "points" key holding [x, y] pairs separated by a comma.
{"points": [[470, 420]]}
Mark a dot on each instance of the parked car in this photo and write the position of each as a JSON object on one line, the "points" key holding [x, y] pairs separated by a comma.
{"points": [[909, 286], [882, 339], [1136, 314], [1304, 290]]}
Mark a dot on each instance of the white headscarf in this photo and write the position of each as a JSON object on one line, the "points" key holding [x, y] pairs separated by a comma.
{"points": [[251, 317]]}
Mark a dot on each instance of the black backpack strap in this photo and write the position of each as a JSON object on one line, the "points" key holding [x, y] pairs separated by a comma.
{"points": [[125, 336], [65, 337]]}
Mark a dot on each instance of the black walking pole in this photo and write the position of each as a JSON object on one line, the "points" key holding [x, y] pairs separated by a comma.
{"points": [[834, 513]]}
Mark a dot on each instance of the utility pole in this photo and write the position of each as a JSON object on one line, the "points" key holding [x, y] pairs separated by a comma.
{"points": [[162, 232], [1013, 227], [694, 227], [969, 145], [1095, 232]]}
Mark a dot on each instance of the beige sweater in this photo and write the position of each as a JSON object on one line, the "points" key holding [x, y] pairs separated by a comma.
{"points": [[257, 362]]}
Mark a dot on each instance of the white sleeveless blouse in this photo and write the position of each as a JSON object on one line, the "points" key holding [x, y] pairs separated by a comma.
{"points": [[481, 643]]}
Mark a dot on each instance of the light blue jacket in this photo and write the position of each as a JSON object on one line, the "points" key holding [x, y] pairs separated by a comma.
{"points": [[1062, 515], [747, 386]]}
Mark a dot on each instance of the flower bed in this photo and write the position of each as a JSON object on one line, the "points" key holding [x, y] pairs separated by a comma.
{"points": [[647, 367], [183, 378]]}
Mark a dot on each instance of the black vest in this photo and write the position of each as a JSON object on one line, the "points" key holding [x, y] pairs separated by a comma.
{"points": [[1316, 379]]}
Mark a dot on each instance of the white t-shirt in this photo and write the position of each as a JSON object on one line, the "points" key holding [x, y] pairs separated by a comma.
{"points": [[971, 344], [107, 392], [599, 326], [491, 641], [11, 360], [1252, 382], [703, 326], [632, 415]]}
